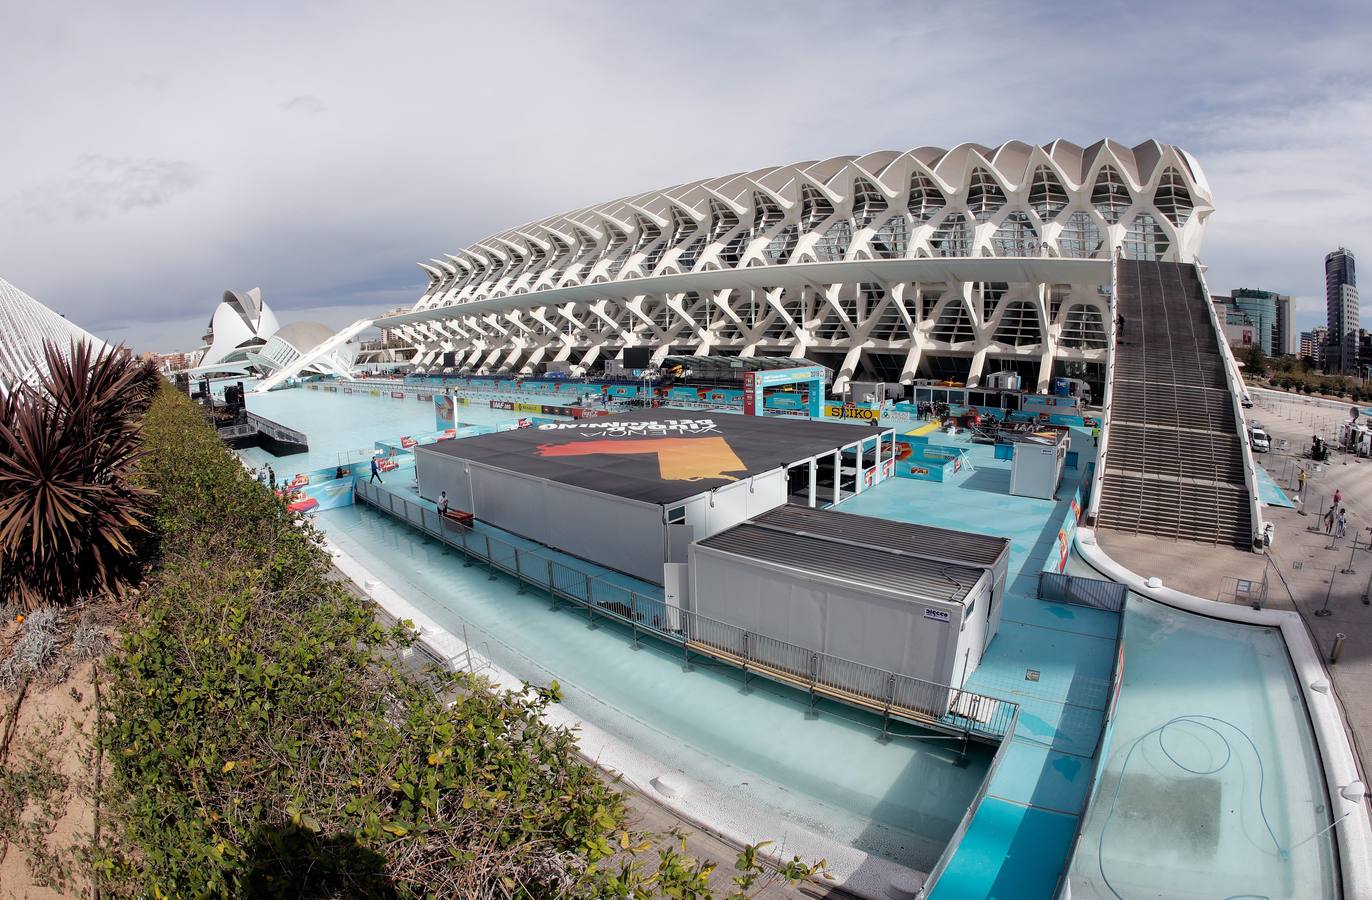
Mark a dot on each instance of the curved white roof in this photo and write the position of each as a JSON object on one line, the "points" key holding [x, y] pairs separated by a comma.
{"points": [[241, 322], [25, 325]]}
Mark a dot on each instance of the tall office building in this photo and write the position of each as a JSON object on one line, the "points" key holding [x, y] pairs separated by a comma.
{"points": [[1312, 345], [1341, 302], [1271, 316]]}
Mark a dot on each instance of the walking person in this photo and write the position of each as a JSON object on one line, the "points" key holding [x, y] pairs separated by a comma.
{"points": [[443, 503], [1095, 436], [1329, 521], [376, 473], [1119, 326], [1301, 482], [1338, 497], [271, 478], [1341, 523]]}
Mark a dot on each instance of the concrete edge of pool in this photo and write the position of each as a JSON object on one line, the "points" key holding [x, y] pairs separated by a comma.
{"points": [[853, 870], [1337, 756]]}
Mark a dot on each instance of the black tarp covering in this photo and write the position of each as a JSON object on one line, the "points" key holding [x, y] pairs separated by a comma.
{"points": [[655, 456]]}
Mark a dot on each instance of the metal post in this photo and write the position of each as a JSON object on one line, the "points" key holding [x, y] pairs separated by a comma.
{"points": [[1349, 570], [590, 604], [685, 641], [462, 532], [633, 615], [1337, 650], [490, 564], [519, 573], [552, 592], [1324, 610], [886, 713], [746, 657], [814, 680]]}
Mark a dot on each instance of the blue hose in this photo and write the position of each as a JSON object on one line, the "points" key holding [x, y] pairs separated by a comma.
{"points": [[1203, 722]]}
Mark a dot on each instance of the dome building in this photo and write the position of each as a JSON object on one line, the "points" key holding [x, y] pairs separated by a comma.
{"points": [[241, 323]]}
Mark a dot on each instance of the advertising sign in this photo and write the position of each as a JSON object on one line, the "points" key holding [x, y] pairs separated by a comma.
{"points": [[751, 389], [851, 411]]}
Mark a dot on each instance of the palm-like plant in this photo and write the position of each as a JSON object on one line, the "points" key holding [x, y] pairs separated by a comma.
{"points": [[69, 447]]}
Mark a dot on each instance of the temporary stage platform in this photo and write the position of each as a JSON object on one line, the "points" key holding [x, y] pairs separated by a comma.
{"points": [[633, 491]]}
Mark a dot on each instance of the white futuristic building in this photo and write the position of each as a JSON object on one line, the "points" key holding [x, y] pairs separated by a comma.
{"points": [[25, 326], [241, 323], [890, 266], [293, 348]]}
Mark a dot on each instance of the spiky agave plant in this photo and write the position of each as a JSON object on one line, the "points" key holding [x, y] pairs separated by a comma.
{"points": [[69, 447]]}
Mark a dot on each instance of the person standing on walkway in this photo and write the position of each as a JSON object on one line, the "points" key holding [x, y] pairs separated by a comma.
{"points": [[1301, 481], [376, 472], [1341, 523], [1119, 327], [1338, 497], [443, 503], [1329, 521], [1095, 436], [271, 478]]}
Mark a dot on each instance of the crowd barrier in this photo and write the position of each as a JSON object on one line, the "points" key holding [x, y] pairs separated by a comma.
{"points": [[890, 694], [1078, 591]]}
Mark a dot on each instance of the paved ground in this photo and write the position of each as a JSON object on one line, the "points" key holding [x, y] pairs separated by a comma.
{"points": [[1306, 568]]}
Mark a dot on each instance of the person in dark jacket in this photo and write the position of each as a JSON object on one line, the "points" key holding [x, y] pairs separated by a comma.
{"points": [[376, 472]]}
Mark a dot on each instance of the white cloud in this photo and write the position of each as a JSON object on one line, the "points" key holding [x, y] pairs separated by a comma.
{"points": [[448, 122], [305, 104]]}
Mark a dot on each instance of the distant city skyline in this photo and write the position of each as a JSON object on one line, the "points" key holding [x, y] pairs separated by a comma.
{"points": [[169, 172]]}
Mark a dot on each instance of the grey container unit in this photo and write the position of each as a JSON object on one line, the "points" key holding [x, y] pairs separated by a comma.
{"points": [[880, 593], [1036, 470]]}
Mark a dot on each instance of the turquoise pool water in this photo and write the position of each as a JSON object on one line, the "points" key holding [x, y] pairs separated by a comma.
{"points": [[1052, 659], [1212, 785], [900, 800], [336, 422]]}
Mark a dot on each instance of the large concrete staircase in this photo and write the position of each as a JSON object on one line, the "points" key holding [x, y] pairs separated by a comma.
{"points": [[1174, 463]]}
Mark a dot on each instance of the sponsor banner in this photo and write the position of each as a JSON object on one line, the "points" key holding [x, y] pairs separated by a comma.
{"points": [[851, 411], [374, 393], [398, 395], [777, 377], [751, 389], [938, 615], [443, 412], [1057, 562], [529, 407], [789, 400], [917, 459], [502, 404]]}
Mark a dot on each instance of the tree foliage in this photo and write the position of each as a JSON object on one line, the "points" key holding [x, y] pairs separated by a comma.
{"points": [[264, 741], [70, 512]]}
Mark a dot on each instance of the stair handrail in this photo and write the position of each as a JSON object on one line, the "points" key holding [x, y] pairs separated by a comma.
{"points": [[1236, 392], [1098, 477]]}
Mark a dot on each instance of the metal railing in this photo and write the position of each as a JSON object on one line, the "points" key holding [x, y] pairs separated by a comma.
{"points": [[255, 424], [889, 694], [276, 430], [1076, 590], [1234, 381]]}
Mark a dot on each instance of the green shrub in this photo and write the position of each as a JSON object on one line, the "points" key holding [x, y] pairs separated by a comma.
{"points": [[262, 742], [70, 512]]}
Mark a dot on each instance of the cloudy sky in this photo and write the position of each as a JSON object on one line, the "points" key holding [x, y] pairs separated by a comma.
{"points": [[154, 154]]}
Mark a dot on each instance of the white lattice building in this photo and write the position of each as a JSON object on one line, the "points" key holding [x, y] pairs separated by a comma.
{"points": [[927, 263], [25, 326]]}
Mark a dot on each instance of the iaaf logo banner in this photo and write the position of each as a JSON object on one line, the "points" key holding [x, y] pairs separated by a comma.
{"points": [[635, 429]]}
